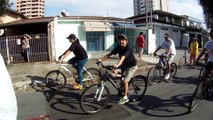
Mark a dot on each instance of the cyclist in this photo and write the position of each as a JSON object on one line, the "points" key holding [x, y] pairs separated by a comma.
{"points": [[170, 52], [127, 64], [208, 47], [193, 51], [80, 58]]}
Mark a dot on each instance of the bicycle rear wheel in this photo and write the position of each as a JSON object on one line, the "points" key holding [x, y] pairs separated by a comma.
{"points": [[173, 70], [196, 97], [153, 75], [55, 80], [89, 100], [182, 62], [91, 76], [137, 88]]}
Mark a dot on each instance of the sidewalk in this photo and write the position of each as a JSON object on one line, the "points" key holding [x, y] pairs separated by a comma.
{"points": [[22, 74]]}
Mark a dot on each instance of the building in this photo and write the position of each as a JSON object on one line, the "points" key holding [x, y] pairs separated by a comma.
{"points": [[30, 8], [152, 5], [11, 15], [97, 34]]}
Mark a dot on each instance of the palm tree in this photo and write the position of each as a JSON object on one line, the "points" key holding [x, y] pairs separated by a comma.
{"points": [[207, 6]]}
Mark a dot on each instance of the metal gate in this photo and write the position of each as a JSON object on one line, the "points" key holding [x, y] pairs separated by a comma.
{"points": [[10, 48]]}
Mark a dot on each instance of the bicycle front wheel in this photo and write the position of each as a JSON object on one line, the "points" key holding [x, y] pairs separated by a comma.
{"points": [[196, 97], [91, 76], [94, 98], [153, 75], [55, 80], [137, 88]]}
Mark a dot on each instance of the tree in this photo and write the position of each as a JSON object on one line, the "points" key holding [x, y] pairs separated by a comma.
{"points": [[4, 4], [207, 6]]}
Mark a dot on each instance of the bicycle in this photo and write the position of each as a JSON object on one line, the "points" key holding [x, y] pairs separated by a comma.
{"points": [[96, 97], [183, 61], [56, 79], [203, 89], [155, 73]]}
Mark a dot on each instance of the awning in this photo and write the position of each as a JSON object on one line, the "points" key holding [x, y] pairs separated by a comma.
{"points": [[97, 26]]}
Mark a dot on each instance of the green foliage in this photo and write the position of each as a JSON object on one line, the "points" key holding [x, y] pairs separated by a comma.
{"points": [[3, 5]]}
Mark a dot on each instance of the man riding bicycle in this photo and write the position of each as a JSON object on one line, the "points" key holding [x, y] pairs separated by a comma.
{"points": [[208, 47], [127, 63], [170, 52]]}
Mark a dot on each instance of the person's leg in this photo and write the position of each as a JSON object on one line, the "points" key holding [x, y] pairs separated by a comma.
{"points": [[168, 63], [128, 76], [72, 61], [80, 67], [139, 54]]}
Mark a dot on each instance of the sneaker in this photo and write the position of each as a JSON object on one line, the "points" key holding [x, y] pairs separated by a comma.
{"points": [[123, 100], [167, 76], [77, 87]]}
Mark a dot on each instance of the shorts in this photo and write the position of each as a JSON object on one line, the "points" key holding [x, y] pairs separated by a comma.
{"points": [[171, 58], [128, 72], [140, 50], [209, 66]]}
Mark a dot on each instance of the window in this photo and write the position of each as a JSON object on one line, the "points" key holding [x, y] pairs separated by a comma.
{"points": [[95, 41]]}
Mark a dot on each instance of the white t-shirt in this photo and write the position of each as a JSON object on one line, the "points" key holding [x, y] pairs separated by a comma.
{"points": [[8, 103], [169, 45], [209, 47]]}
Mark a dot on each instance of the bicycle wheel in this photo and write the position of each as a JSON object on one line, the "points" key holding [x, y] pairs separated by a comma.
{"points": [[173, 70], [55, 80], [137, 88], [91, 76], [196, 97], [90, 102], [181, 62], [153, 75]]}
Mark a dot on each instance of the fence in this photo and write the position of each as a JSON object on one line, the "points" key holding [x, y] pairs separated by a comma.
{"points": [[10, 48]]}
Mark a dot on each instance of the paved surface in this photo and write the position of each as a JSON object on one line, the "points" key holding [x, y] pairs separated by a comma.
{"points": [[24, 73]]}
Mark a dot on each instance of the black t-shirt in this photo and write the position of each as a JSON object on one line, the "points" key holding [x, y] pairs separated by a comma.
{"points": [[129, 60], [78, 50]]}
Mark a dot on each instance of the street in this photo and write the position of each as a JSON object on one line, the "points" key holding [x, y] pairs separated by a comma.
{"points": [[163, 101]]}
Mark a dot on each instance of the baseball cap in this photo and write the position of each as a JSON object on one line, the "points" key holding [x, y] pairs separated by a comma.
{"points": [[122, 36], [166, 35], [71, 36]]}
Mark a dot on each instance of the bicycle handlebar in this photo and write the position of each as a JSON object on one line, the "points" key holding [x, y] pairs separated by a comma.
{"points": [[108, 67]]}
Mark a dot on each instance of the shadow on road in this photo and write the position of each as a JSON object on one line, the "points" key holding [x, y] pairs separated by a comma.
{"points": [[154, 106]]}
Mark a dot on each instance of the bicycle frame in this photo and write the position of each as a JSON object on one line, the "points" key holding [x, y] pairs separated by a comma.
{"points": [[107, 77], [63, 66]]}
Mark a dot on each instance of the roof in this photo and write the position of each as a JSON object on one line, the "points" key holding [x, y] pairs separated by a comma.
{"points": [[15, 12], [28, 21], [158, 12], [95, 18]]}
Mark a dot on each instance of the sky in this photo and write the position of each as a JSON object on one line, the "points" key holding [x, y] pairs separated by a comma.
{"points": [[114, 8]]}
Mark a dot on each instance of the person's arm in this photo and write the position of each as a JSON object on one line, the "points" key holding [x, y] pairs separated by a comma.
{"points": [[64, 55], [106, 56], [157, 50], [200, 55], [120, 62], [28, 36]]}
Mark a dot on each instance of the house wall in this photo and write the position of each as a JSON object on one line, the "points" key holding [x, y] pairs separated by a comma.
{"points": [[9, 17], [63, 29]]}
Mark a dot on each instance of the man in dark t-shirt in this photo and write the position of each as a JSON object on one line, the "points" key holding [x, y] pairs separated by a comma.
{"points": [[127, 63], [80, 58]]}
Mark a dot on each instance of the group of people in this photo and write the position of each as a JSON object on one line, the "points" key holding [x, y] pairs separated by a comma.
{"points": [[127, 61]]}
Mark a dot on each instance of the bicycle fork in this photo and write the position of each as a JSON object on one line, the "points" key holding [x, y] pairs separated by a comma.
{"points": [[99, 90]]}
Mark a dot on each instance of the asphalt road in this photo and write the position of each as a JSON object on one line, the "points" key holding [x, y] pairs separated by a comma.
{"points": [[163, 101]]}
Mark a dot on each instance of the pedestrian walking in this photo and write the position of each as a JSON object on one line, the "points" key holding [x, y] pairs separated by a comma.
{"points": [[25, 45], [140, 43]]}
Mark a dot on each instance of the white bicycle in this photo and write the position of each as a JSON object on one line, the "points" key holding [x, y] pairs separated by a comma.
{"points": [[57, 79]]}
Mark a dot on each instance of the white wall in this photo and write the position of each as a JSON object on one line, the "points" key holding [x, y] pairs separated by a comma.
{"points": [[151, 42], [62, 30]]}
